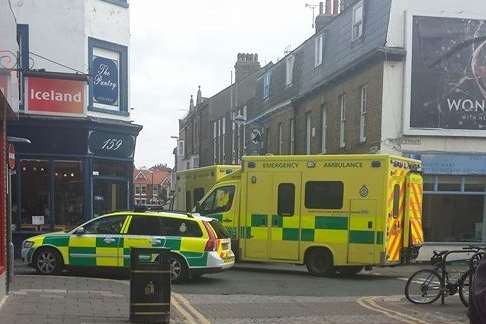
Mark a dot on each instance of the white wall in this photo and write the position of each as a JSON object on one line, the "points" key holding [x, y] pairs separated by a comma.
{"points": [[8, 52], [395, 76], [59, 30], [56, 31]]}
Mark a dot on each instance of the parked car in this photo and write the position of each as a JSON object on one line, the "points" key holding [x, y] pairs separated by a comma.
{"points": [[198, 244]]}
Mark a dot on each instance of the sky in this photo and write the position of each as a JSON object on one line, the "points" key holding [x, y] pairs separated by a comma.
{"points": [[178, 45]]}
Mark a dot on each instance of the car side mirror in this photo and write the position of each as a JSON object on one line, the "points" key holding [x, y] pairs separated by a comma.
{"points": [[79, 231]]}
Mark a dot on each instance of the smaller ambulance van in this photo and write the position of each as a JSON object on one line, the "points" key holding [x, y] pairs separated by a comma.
{"points": [[193, 184], [332, 213]]}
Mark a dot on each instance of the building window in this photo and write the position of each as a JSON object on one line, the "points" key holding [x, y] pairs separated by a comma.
{"points": [[364, 110], [266, 85], [280, 138], [358, 14], [243, 135], [234, 153], [108, 86], [181, 148], [267, 140], [290, 70], [286, 199], [324, 195], [223, 135], [308, 129], [323, 128], [342, 125], [318, 50], [215, 142], [292, 137]]}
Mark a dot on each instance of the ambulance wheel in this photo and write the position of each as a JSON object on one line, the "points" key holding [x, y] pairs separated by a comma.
{"points": [[349, 270], [178, 268], [319, 262], [48, 261]]}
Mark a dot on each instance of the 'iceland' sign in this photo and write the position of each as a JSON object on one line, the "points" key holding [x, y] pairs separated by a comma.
{"points": [[105, 81]]}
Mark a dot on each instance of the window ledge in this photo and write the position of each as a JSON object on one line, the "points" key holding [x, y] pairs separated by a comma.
{"points": [[107, 111]]}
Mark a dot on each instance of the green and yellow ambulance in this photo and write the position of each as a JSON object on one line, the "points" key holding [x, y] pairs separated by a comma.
{"points": [[193, 184], [332, 213]]}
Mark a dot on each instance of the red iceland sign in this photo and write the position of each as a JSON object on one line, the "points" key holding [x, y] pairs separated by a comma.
{"points": [[54, 96]]}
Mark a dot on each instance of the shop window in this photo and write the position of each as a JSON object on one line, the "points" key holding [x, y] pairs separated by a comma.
{"points": [[453, 218], [177, 227], [105, 225], [35, 195], [109, 196], [219, 201], [68, 194], [286, 199], [475, 184], [449, 183], [429, 183], [144, 225], [324, 195], [112, 169]]}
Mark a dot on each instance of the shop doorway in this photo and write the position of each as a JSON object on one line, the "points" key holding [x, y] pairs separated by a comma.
{"points": [[109, 196]]}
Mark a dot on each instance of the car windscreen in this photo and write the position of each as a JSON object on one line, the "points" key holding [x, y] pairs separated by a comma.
{"points": [[219, 229]]}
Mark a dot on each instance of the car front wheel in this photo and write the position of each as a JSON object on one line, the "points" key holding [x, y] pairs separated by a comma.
{"points": [[48, 262]]}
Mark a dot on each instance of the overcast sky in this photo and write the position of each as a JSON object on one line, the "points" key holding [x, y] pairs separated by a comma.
{"points": [[178, 45]]}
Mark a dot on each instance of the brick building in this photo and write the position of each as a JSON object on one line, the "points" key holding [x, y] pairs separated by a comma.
{"points": [[377, 76], [152, 186]]}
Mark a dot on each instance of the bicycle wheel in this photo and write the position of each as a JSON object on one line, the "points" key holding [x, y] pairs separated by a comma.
{"points": [[423, 287], [465, 287]]}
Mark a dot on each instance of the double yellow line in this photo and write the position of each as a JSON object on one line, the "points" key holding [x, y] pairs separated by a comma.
{"points": [[184, 307], [371, 304]]}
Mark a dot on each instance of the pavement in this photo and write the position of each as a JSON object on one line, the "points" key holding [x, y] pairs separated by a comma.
{"points": [[249, 293], [72, 299]]}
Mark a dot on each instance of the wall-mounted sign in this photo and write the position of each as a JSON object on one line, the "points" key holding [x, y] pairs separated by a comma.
{"points": [[54, 96], [105, 81], [448, 81], [452, 164], [111, 144]]}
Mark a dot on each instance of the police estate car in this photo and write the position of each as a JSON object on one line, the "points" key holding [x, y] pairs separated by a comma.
{"points": [[198, 244]]}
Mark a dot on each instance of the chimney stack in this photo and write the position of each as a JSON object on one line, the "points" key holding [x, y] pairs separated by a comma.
{"points": [[246, 64], [328, 8], [325, 17]]}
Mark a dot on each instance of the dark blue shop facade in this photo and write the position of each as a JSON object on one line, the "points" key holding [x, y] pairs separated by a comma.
{"points": [[74, 169]]}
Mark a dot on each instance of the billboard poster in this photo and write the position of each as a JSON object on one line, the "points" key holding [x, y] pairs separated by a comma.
{"points": [[54, 96], [448, 84]]}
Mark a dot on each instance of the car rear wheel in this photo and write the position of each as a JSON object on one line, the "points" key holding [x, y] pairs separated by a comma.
{"points": [[178, 268], [48, 261]]}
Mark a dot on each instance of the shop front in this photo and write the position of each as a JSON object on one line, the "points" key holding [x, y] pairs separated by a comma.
{"points": [[454, 205], [73, 170]]}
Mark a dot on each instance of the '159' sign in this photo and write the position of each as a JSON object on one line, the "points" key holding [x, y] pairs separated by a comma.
{"points": [[112, 145]]}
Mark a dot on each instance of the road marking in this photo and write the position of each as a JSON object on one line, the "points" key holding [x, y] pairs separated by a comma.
{"points": [[182, 311], [2, 302], [200, 317], [369, 303]]}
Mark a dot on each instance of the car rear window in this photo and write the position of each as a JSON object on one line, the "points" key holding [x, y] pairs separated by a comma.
{"points": [[179, 227], [219, 229]]}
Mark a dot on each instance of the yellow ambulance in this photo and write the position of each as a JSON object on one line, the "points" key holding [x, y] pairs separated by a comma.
{"points": [[332, 213], [192, 184]]}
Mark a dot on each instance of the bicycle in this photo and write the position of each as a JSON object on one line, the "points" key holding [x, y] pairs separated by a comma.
{"points": [[473, 264], [426, 286]]}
